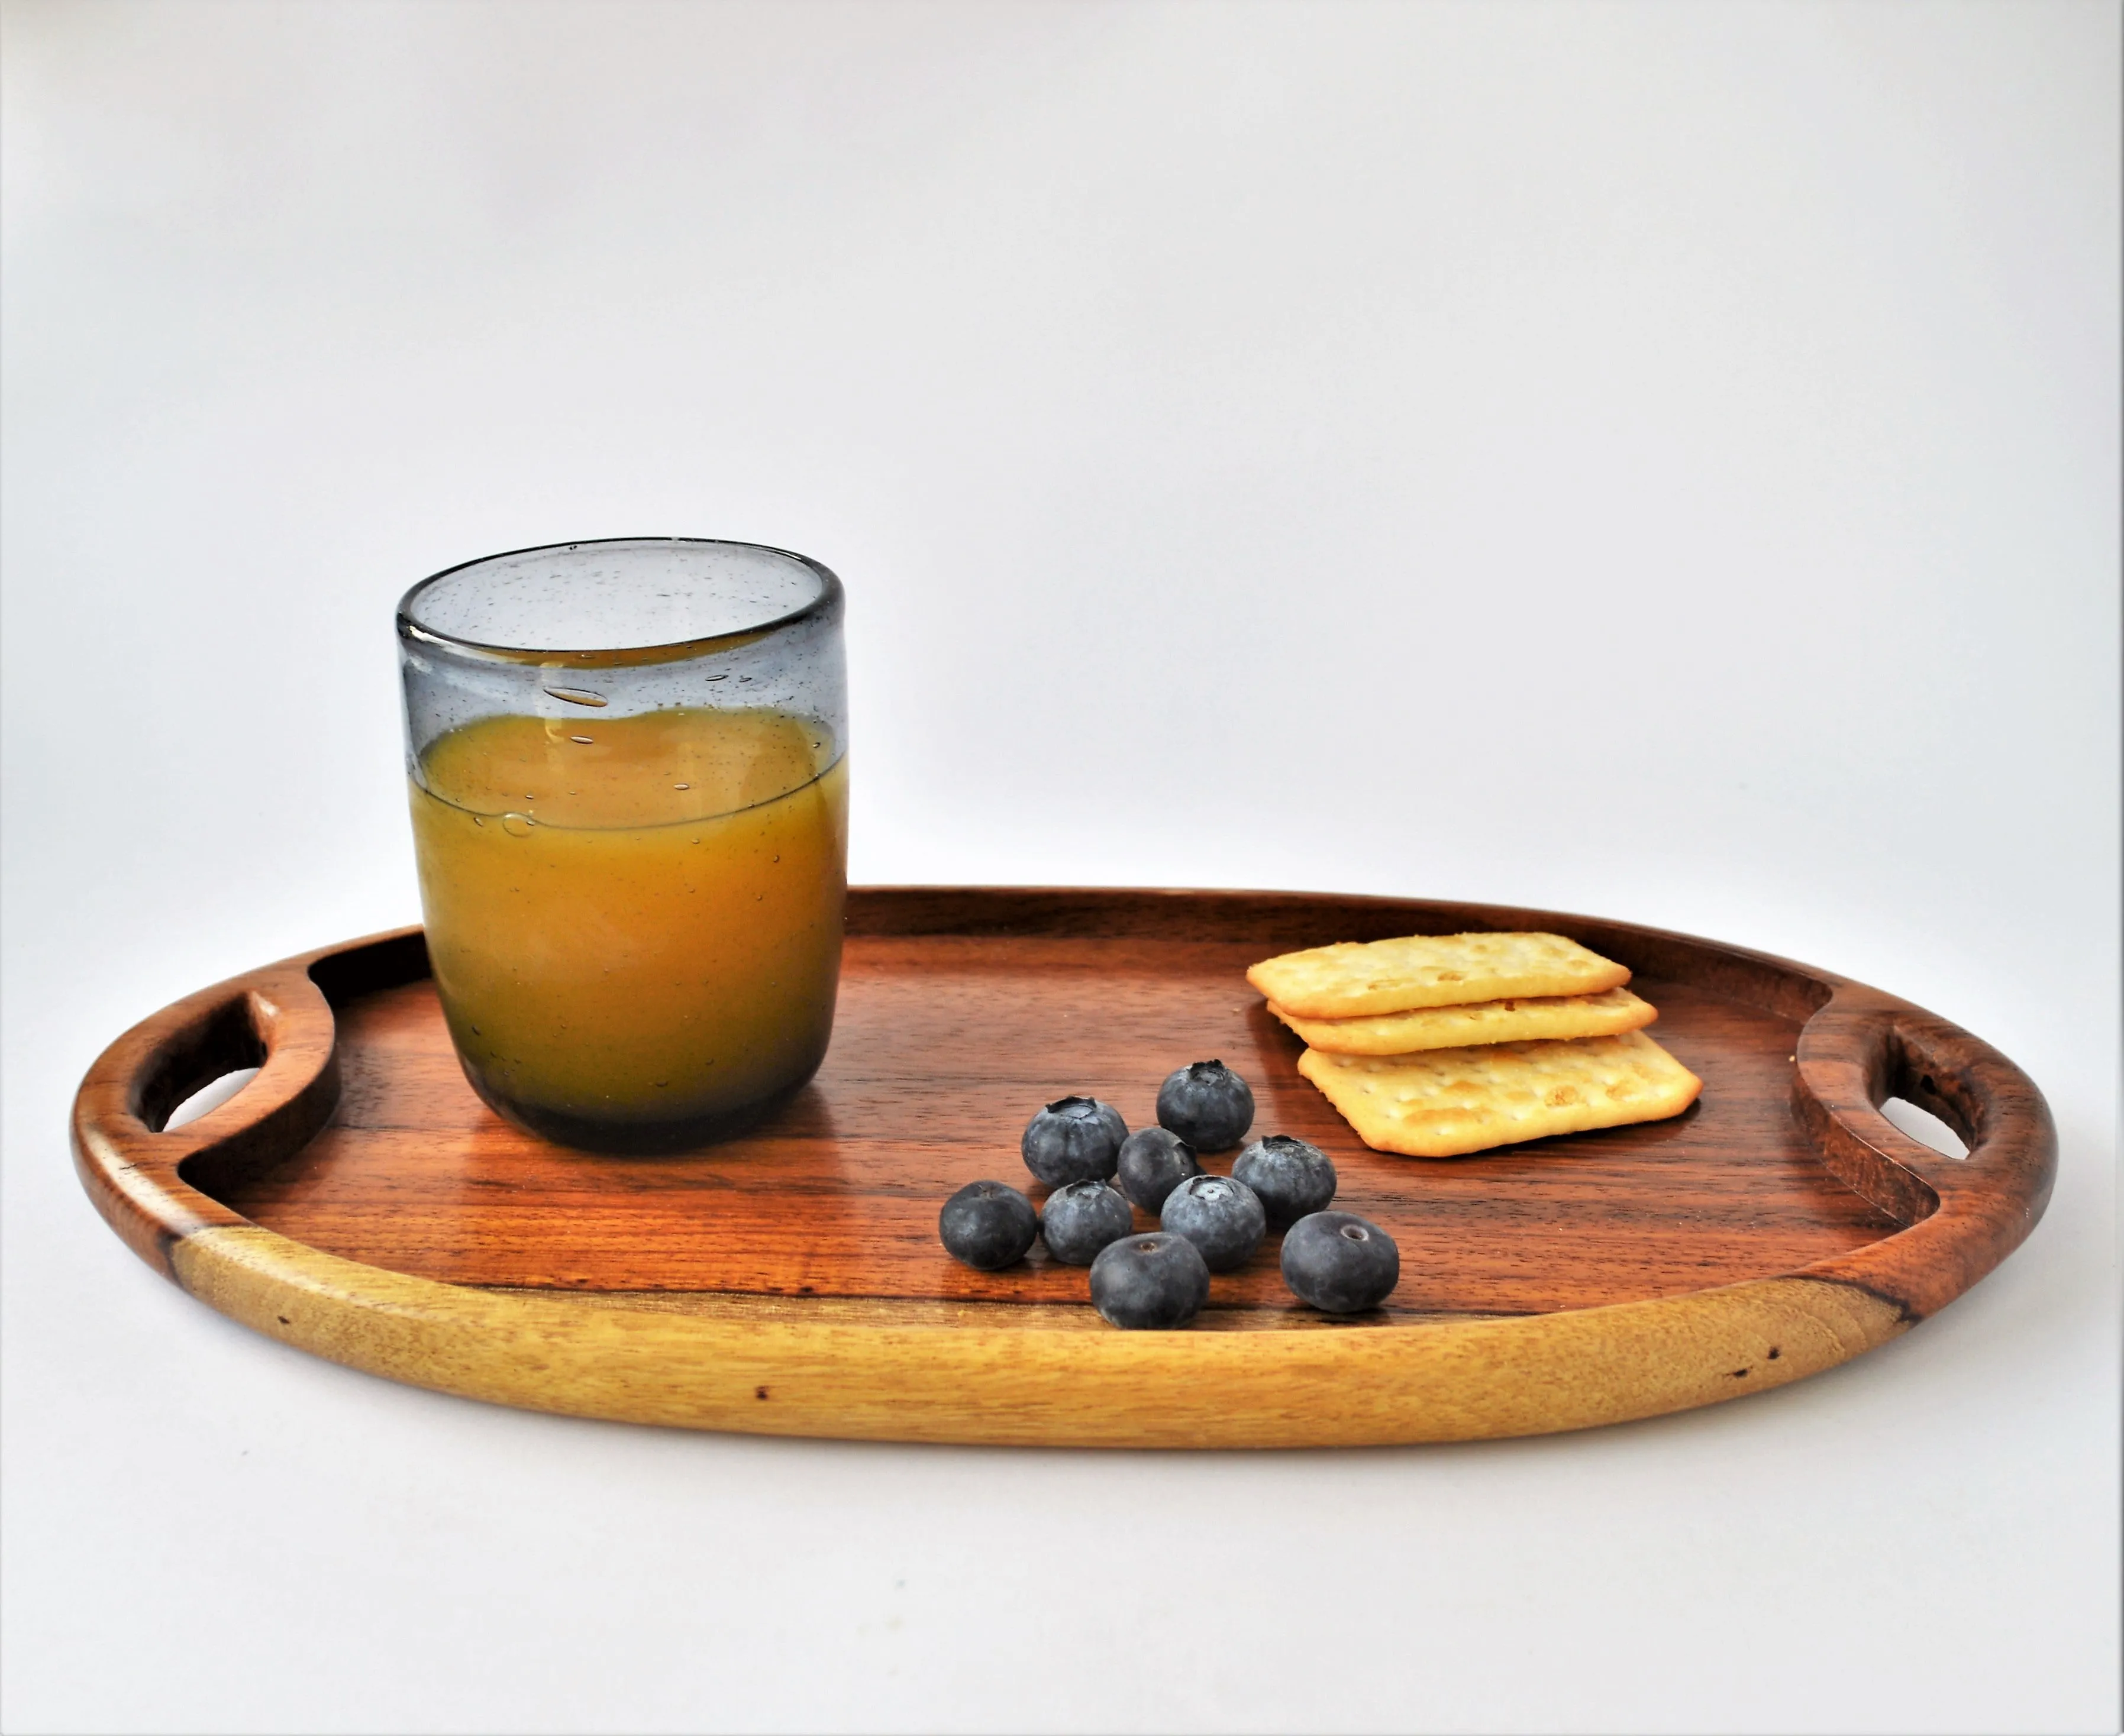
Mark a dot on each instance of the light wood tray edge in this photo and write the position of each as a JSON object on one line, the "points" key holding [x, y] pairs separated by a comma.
{"points": [[1443, 1380]]}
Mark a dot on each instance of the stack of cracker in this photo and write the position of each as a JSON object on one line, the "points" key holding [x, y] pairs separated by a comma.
{"points": [[1438, 1045]]}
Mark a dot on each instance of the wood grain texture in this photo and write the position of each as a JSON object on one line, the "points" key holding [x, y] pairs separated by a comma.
{"points": [[356, 1199]]}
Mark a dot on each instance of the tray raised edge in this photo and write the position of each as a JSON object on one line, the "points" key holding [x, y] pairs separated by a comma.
{"points": [[1443, 1380]]}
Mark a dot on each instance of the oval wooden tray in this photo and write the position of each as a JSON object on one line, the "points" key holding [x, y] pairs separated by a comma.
{"points": [[357, 1200]]}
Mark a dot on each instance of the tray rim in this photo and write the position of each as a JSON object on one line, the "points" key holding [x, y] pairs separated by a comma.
{"points": [[1456, 1378]]}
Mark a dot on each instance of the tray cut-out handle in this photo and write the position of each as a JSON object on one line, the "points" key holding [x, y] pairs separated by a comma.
{"points": [[1865, 1046], [154, 1185]]}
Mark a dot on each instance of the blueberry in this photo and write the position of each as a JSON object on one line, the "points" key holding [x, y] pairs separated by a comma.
{"points": [[988, 1224], [1207, 1104], [1340, 1262], [1154, 1162], [1074, 1139], [1082, 1218], [1153, 1281], [1221, 1217], [1294, 1180]]}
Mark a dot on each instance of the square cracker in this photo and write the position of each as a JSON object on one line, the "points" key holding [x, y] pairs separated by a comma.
{"points": [[1448, 1102], [1553, 1016], [1355, 979]]}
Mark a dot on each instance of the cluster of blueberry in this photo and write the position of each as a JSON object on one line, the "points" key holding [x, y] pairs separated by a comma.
{"points": [[1080, 1147]]}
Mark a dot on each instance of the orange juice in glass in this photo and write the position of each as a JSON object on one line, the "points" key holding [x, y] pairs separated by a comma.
{"points": [[628, 777]]}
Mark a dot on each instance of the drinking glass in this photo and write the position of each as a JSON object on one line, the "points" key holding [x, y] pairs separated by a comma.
{"points": [[629, 785]]}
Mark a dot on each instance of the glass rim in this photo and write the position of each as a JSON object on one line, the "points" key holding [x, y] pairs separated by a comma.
{"points": [[410, 626]]}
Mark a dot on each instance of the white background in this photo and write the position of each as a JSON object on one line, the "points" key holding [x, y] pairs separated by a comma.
{"points": [[1659, 460]]}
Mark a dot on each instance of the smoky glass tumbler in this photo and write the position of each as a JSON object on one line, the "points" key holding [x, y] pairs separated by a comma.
{"points": [[628, 773]]}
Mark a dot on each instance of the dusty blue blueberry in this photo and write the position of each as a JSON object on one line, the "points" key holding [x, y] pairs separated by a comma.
{"points": [[1293, 1179], [1220, 1216], [1208, 1105], [988, 1224], [1340, 1262], [1074, 1139], [1082, 1218], [1153, 1163], [1155, 1281]]}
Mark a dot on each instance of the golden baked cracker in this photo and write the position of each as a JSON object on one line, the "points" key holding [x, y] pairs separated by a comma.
{"points": [[1355, 979], [1448, 1102], [1551, 1016]]}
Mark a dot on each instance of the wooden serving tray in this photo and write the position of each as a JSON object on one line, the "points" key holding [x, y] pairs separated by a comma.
{"points": [[356, 1199]]}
